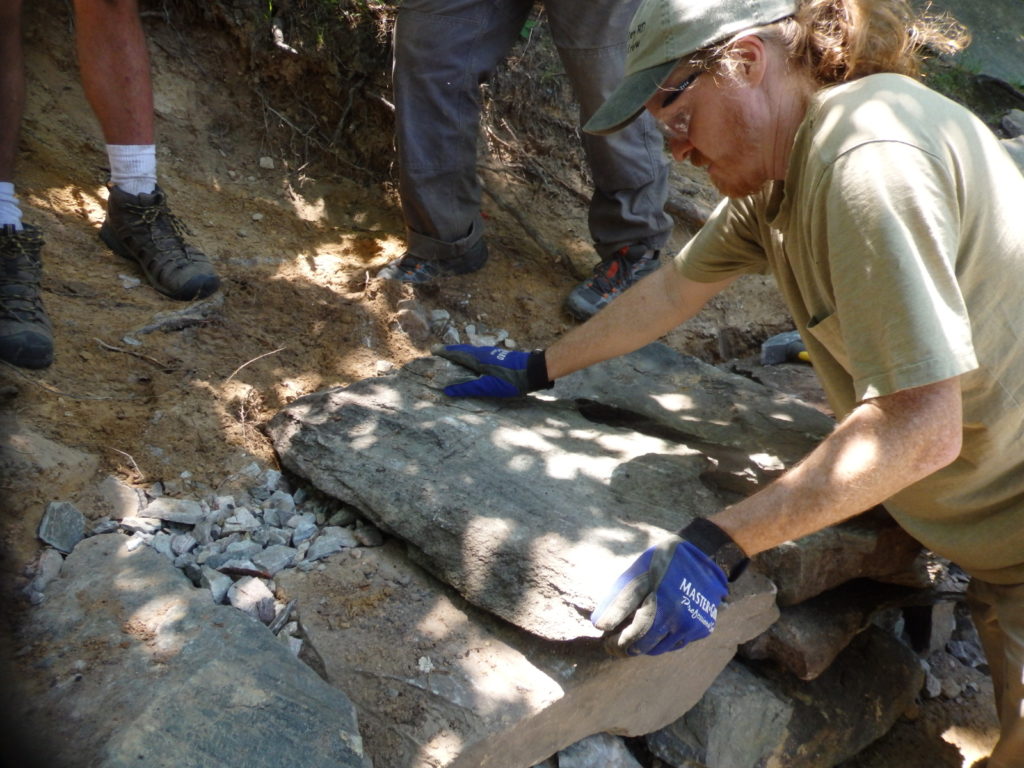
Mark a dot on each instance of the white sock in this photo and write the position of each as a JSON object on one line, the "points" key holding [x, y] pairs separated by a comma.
{"points": [[133, 167], [10, 209]]}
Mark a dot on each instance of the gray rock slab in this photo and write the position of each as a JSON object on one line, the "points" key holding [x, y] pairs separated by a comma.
{"points": [[275, 557], [283, 503], [763, 716], [332, 539], [601, 749], [740, 721], [870, 546], [661, 390], [464, 689], [217, 582], [50, 564], [1013, 123], [185, 511], [62, 526], [148, 671], [252, 596], [142, 524], [808, 637], [122, 499], [528, 508]]}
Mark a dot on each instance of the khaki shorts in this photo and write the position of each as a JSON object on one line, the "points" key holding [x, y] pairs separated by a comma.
{"points": [[998, 614]]}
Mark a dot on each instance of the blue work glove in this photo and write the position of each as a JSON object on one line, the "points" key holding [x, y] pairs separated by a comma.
{"points": [[506, 372], [671, 592]]}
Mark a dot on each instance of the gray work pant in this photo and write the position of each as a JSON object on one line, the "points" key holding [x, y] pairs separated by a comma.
{"points": [[444, 49]]}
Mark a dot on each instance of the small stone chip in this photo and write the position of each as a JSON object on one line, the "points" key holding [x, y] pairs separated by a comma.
{"points": [[251, 595], [62, 526]]}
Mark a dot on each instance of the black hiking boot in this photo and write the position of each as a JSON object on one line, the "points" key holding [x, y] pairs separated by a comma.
{"points": [[26, 336], [410, 268], [611, 277], [143, 229]]}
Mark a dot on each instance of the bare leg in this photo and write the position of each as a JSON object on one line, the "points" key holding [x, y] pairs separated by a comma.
{"points": [[114, 62], [12, 85]]}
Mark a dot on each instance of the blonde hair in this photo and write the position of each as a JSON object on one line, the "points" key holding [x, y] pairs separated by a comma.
{"points": [[838, 40]]}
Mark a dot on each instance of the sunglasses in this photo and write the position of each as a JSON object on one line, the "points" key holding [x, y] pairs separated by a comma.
{"points": [[678, 127], [676, 91]]}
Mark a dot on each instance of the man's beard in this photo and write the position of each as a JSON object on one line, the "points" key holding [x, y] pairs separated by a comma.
{"points": [[745, 143]]}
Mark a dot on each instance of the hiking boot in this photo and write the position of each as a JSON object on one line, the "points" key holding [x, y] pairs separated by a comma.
{"points": [[143, 229], [611, 277], [412, 269], [26, 336]]}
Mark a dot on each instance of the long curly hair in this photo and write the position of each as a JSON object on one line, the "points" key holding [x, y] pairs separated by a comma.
{"points": [[838, 40]]}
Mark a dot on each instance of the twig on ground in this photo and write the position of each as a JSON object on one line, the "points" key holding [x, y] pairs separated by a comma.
{"points": [[259, 357], [133, 353], [142, 475], [493, 136], [505, 170]]}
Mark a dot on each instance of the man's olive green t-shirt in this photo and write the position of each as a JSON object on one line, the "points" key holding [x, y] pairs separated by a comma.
{"points": [[897, 240]]}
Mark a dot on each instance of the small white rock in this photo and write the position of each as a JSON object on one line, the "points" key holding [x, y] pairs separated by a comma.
{"points": [[128, 282], [50, 564]]}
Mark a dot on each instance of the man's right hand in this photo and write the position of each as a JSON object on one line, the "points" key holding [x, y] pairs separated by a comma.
{"points": [[505, 372], [667, 598]]}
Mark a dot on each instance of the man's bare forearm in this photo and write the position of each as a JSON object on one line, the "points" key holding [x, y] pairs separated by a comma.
{"points": [[647, 311], [885, 445]]}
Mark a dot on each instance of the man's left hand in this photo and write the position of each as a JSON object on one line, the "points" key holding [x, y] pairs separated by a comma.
{"points": [[506, 372]]}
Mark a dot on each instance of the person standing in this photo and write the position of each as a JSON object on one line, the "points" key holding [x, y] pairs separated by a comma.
{"points": [[443, 51], [139, 225]]}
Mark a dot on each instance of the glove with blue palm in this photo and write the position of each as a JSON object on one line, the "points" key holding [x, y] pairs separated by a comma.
{"points": [[671, 592], [505, 372]]}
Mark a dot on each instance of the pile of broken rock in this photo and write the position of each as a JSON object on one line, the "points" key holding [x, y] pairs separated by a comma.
{"points": [[231, 547]]}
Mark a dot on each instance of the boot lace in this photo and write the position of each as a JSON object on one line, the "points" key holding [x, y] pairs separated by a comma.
{"points": [[21, 272]]}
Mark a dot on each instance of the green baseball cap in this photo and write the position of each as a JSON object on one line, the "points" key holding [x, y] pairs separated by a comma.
{"points": [[664, 31]]}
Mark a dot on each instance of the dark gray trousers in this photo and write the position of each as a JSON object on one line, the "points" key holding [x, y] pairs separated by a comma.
{"points": [[444, 49]]}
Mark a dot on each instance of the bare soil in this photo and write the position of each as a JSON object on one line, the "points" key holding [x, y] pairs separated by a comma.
{"points": [[296, 246]]}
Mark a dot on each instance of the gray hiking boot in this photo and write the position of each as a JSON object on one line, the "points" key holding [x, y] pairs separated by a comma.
{"points": [[410, 268], [611, 277], [26, 336], [143, 229]]}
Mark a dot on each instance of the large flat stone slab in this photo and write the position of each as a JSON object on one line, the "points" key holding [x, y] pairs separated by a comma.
{"points": [[529, 508], [146, 670], [741, 423], [439, 683]]}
